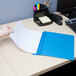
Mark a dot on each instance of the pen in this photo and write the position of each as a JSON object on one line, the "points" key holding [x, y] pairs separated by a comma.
{"points": [[36, 5], [34, 8]]}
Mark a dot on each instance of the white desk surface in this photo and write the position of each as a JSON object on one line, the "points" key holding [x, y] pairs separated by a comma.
{"points": [[15, 62]]}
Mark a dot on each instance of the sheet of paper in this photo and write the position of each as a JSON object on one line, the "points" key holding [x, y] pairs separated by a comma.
{"points": [[26, 39]]}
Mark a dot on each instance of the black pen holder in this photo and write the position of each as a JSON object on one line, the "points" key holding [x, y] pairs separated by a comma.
{"points": [[43, 11]]}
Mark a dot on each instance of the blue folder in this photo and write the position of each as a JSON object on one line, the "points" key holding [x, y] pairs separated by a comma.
{"points": [[56, 45]]}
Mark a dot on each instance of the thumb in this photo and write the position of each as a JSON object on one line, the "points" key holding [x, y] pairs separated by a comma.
{"points": [[10, 30]]}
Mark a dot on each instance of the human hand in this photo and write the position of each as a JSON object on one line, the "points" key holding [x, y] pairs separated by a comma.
{"points": [[5, 31]]}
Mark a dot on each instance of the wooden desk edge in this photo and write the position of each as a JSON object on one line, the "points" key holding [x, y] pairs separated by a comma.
{"points": [[52, 68]]}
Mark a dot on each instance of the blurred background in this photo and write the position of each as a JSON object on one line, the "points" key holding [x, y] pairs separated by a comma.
{"points": [[13, 10]]}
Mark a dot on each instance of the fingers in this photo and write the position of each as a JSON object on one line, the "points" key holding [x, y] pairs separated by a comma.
{"points": [[10, 29], [5, 31]]}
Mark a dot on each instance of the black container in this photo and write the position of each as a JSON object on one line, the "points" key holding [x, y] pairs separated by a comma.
{"points": [[39, 13]]}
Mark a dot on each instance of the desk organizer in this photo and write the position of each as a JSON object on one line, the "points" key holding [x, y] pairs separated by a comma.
{"points": [[40, 13]]}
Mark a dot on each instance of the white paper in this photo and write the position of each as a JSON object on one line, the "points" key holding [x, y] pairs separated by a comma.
{"points": [[26, 39]]}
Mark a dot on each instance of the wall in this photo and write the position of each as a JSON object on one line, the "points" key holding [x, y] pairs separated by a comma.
{"points": [[13, 10]]}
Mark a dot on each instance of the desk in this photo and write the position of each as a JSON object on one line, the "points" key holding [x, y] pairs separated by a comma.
{"points": [[15, 62]]}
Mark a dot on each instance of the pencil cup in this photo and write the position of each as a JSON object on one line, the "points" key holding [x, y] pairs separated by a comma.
{"points": [[43, 10]]}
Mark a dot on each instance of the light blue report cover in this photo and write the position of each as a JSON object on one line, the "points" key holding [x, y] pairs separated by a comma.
{"points": [[43, 42], [56, 45]]}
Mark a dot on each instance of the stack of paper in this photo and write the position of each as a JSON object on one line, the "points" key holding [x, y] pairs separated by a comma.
{"points": [[26, 39]]}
